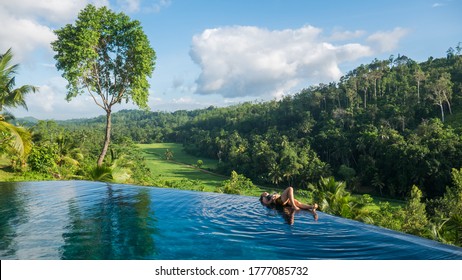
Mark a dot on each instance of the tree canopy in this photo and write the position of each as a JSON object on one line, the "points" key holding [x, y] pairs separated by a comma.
{"points": [[108, 56]]}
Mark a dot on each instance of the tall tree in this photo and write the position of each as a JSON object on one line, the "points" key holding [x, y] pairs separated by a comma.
{"points": [[419, 76], [441, 92], [415, 220], [10, 97], [109, 56]]}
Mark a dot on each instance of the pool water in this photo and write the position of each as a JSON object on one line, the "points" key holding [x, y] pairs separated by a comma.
{"points": [[90, 220]]}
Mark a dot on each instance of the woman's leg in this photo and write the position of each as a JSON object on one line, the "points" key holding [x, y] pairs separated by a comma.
{"points": [[288, 196], [311, 208], [306, 206]]}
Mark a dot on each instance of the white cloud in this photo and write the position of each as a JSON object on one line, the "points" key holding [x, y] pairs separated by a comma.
{"points": [[243, 61], [27, 27], [157, 6], [133, 6], [346, 35], [26, 23], [129, 5], [387, 41], [23, 35], [183, 100], [50, 103], [56, 11]]}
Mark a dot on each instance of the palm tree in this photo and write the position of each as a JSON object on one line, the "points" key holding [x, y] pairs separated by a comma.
{"points": [[275, 173], [12, 136], [17, 138], [333, 197]]}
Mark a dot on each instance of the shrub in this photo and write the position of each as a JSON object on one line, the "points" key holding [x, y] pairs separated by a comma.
{"points": [[238, 184], [415, 220], [43, 158]]}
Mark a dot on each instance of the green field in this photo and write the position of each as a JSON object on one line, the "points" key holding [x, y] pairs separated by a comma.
{"points": [[182, 168]]}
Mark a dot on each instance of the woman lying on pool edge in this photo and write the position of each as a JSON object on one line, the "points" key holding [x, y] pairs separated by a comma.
{"points": [[286, 199]]}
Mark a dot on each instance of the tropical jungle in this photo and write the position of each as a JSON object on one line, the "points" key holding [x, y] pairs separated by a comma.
{"points": [[382, 145]]}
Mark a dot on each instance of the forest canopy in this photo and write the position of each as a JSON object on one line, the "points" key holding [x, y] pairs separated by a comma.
{"points": [[384, 127]]}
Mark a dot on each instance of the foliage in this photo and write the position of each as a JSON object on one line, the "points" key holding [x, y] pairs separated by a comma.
{"points": [[347, 174], [128, 163], [168, 154], [362, 209], [11, 97], [238, 184], [377, 128], [109, 56], [446, 221], [100, 173], [14, 139], [43, 158], [333, 197], [388, 217], [183, 184], [415, 220]]}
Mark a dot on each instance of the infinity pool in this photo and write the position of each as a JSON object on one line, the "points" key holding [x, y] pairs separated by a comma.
{"points": [[88, 220]]}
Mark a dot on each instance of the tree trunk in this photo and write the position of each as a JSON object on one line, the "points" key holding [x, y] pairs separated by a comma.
{"points": [[365, 98], [447, 101], [107, 138], [442, 112], [375, 90], [418, 92]]}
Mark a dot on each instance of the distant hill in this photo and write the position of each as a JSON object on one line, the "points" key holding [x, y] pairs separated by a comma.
{"points": [[27, 121]]}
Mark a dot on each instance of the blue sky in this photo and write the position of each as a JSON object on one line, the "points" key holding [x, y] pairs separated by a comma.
{"points": [[225, 52]]}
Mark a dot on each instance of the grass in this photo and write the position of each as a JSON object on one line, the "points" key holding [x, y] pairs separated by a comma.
{"points": [[181, 169], [393, 202], [179, 155], [8, 174], [5, 175]]}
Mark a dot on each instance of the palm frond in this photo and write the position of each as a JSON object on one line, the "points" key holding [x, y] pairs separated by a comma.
{"points": [[9, 95], [101, 173], [20, 138]]}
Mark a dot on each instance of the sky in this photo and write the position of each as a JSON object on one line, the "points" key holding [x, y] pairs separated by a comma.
{"points": [[221, 53]]}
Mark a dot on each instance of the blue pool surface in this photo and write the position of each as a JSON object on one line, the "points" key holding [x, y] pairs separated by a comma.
{"points": [[90, 220]]}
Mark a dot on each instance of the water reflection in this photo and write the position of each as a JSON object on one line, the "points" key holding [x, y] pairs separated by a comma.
{"points": [[13, 213], [288, 214], [76, 220], [120, 225]]}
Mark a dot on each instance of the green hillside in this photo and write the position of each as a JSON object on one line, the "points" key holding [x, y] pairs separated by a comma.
{"points": [[384, 127]]}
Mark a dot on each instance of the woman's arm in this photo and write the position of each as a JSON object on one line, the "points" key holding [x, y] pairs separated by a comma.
{"points": [[267, 201]]}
